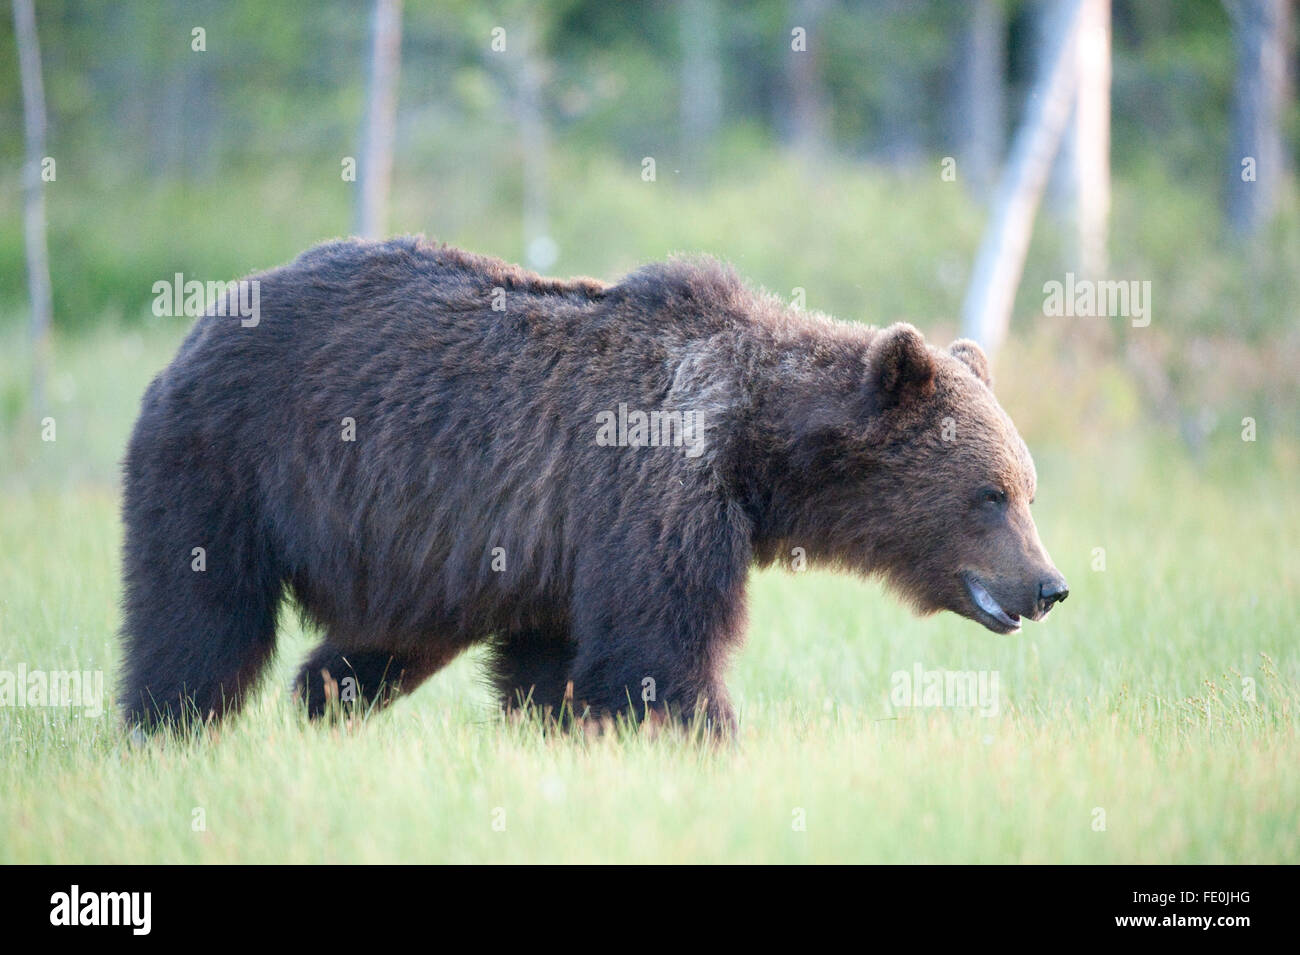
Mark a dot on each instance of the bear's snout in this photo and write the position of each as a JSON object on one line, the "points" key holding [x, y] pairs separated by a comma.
{"points": [[1051, 590], [1000, 604]]}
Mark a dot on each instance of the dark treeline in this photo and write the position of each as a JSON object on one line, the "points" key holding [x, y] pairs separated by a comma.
{"points": [[885, 80]]}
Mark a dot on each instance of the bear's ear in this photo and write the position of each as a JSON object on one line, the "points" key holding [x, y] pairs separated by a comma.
{"points": [[972, 356], [899, 365]]}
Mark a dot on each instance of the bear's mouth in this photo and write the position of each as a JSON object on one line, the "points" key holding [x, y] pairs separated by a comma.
{"points": [[987, 610]]}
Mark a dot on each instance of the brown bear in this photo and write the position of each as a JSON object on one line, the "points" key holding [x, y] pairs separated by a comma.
{"points": [[428, 449]]}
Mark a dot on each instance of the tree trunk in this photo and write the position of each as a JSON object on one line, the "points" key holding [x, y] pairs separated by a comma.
{"points": [[1088, 153], [38, 263], [701, 103], [376, 167], [986, 312], [540, 249], [981, 96], [806, 120], [1257, 158]]}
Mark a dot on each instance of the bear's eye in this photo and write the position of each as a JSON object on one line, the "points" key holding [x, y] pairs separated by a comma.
{"points": [[992, 497]]}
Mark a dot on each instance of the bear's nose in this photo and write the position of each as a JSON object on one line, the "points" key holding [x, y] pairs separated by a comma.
{"points": [[1051, 590]]}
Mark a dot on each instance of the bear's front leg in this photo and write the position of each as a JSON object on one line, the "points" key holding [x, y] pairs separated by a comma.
{"points": [[658, 649], [530, 668], [653, 691]]}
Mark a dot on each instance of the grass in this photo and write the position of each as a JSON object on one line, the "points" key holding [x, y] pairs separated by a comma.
{"points": [[1127, 709]]}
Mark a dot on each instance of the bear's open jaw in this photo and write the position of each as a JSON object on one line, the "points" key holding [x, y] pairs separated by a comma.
{"points": [[991, 613]]}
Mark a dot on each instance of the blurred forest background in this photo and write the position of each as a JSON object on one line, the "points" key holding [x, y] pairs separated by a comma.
{"points": [[524, 130], [880, 160]]}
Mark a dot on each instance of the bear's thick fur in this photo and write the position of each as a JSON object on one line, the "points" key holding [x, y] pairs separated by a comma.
{"points": [[427, 449]]}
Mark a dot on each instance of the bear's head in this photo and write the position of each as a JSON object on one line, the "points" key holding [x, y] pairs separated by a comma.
{"points": [[914, 472]]}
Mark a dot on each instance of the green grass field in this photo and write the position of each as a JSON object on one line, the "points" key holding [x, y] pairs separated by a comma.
{"points": [[1153, 718]]}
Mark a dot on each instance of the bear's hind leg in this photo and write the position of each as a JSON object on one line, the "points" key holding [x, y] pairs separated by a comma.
{"points": [[531, 667], [202, 593]]}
